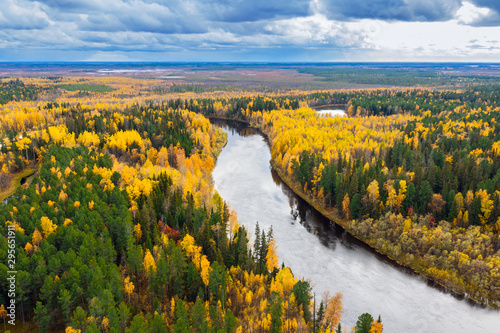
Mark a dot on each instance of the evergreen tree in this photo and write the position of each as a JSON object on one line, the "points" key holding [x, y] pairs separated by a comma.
{"points": [[364, 323], [355, 206], [302, 291]]}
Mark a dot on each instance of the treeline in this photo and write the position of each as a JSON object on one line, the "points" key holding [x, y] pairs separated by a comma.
{"points": [[235, 107], [396, 77], [387, 102]]}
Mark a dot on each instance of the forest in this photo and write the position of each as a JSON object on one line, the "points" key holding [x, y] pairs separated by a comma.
{"points": [[420, 184], [411, 172], [121, 230]]}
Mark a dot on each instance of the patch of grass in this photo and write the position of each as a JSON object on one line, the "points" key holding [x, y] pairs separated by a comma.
{"points": [[14, 184], [99, 88]]}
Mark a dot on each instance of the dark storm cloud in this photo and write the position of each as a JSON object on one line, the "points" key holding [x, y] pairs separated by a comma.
{"points": [[135, 15], [492, 4], [183, 15], [248, 11], [401, 10]]}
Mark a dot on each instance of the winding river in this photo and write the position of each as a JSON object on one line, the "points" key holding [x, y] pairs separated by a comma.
{"points": [[317, 249]]}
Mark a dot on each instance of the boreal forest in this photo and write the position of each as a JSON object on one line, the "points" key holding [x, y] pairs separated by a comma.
{"points": [[111, 221]]}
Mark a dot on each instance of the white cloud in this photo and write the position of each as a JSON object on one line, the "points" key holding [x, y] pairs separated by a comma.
{"points": [[109, 56], [23, 15], [305, 30], [470, 14], [436, 41]]}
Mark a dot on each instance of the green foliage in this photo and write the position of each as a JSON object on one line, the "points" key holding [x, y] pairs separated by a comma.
{"points": [[302, 291], [42, 317], [276, 311], [364, 323], [100, 88], [16, 90], [393, 76], [138, 325]]}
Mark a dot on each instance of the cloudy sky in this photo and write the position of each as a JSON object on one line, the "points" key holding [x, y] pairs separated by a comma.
{"points": [[250, 30]]}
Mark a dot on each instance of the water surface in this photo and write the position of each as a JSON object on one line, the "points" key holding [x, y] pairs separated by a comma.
{"points": [[331, 113]]}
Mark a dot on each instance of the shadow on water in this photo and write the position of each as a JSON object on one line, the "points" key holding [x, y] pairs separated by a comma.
{"points": [[328, 233], [234, 126]]}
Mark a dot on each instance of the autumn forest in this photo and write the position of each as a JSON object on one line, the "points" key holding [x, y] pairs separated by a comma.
{"points": [[111, 221]]}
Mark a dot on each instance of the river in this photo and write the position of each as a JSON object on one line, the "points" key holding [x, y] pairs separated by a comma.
{"points": [[317, 249]]}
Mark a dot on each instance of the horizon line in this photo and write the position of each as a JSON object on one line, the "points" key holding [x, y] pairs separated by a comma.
{"points": [[245, 62]]}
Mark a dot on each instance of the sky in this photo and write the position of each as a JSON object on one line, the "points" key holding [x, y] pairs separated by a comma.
{"points": [[250, 30]]}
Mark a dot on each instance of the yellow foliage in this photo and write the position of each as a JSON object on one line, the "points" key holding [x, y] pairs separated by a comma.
{"points": [[271, 257], [346, 203], [377, 327], [59, 134], [23, 143], [333, 310], [89, 139], [70, 329], [17, 226], [28, 248], [137, 232], [124, 139], [283, 282], [105, 324], [67, 172], [47, 227], [36, 238], [205, 270], [373, 192], [63, 196], [128, 286], [149, 262]]}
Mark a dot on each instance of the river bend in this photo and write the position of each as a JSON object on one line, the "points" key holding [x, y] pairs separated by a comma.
{"points": [[317, 249]]}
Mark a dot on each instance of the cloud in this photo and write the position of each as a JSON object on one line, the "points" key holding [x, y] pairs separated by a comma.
{"points": [[469, 13], [479, 13], [299, 30], [257, 10], [492, 4], [399, 10], [305, 30], [109, 56], [135, 15], [22, 15], [173, 16], [437, 41]]}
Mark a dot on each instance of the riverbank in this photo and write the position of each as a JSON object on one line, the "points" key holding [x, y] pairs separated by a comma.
{"points": [[16, 182], [403, 259], [322, 251], [415, 264]]}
